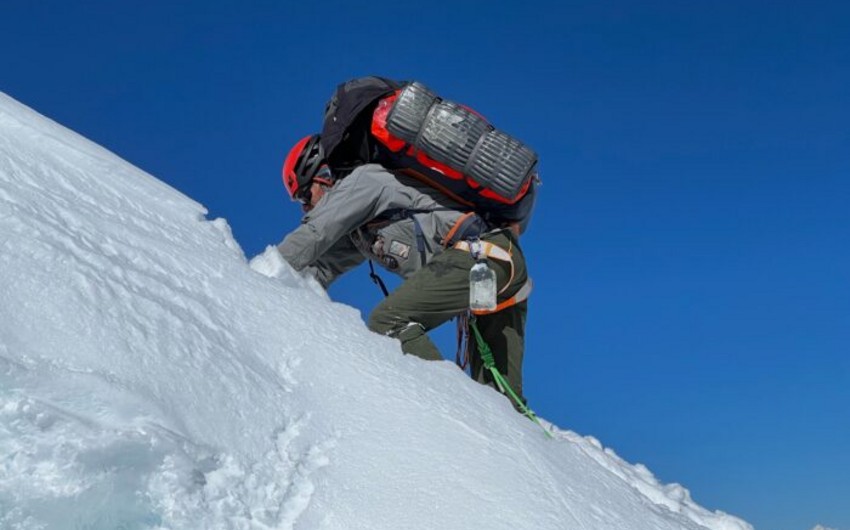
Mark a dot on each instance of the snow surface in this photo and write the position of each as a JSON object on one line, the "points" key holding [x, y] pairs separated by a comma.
{"points": [[151, 378]]}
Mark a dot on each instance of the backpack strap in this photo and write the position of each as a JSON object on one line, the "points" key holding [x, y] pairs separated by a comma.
{"points": [[420, 239], [470, 225]]}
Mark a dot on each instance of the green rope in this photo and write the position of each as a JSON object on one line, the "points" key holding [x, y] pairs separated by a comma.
{"points": [[490, 363]]}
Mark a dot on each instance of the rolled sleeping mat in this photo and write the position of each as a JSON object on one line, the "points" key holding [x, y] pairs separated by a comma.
{"points": [[501, 163], [450, 134], [461, 139], [409, 112]]}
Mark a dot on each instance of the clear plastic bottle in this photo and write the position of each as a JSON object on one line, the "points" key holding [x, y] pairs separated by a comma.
{"points": [[482, 287]]}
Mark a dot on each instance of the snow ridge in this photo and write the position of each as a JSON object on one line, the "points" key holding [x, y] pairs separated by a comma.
{"points": [[150, 378]]}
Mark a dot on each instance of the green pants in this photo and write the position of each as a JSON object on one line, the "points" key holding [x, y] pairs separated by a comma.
{"points": [[440, 291]]}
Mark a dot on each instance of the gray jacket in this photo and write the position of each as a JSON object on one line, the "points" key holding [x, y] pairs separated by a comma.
{"points": [[372, 214]]}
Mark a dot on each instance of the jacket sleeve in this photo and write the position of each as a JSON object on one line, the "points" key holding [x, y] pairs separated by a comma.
{"points": [[350, 203], [339, 259]]}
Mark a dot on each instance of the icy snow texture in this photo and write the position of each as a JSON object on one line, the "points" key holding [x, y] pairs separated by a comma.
{"points": [[151, 378]]}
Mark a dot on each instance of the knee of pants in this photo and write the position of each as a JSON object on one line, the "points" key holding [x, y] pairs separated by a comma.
{"points": [[380, 321], [388, 323], [391, 325]]}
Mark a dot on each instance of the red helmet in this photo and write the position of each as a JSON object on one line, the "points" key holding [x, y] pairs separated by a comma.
{"points": [[305, 160]]}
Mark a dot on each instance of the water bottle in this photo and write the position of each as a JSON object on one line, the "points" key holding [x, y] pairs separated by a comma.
{"points": [[482, 287]]}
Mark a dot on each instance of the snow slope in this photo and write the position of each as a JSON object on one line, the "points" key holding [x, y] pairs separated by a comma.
{"points": [[151, 378]]}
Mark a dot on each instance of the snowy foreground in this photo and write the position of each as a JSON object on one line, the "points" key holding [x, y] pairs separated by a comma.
{"points": [[151, 378]]}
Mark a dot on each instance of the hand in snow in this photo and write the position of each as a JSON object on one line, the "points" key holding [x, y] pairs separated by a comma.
{"points": [[270, 263]]}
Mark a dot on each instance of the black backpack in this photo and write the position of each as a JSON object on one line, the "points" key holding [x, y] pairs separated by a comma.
{"points": [[348, 114]]}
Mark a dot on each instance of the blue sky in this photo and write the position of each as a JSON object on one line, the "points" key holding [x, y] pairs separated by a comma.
{"points": [[691, 244]]}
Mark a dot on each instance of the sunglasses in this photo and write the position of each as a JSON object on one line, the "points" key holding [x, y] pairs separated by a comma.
{"points": [[304, 195], [323, 176]]}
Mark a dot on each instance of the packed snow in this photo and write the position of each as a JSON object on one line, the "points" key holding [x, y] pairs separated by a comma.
{"points": [[152, 378]]}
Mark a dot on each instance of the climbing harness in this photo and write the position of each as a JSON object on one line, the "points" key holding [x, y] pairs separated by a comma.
{"points": [[496, 252]]}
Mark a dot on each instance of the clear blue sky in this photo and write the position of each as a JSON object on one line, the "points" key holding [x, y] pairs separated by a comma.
{"points": [[691, 246]]}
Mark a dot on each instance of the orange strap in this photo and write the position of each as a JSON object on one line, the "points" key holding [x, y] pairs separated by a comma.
{"points": [[456, 227], [490, 250]]}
